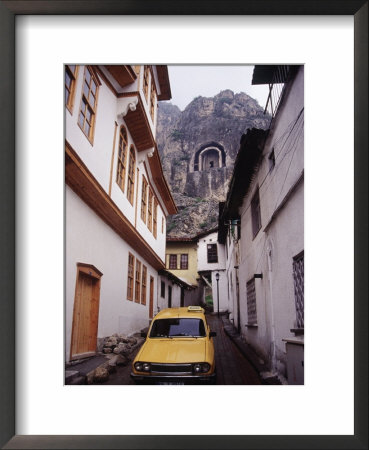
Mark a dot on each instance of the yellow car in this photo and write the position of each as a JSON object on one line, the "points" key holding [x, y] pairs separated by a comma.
{"points": [[178, 349]]}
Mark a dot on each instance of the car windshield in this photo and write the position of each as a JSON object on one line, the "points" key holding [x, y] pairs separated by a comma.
{"points": [[178, 327]]}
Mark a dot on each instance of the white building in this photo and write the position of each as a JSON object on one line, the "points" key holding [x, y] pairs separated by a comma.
{"points": [[116, 199], [266, 197], [174, 292], [211, 266]]}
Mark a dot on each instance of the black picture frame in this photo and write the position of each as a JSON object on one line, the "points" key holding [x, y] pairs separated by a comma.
{"points": [[8, 11]]}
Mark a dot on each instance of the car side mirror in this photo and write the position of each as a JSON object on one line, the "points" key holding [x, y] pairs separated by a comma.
{"points": [[212, 333], [143, 334]]}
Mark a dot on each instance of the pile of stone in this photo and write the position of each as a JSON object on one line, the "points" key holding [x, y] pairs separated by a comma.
{"points": [[118, 349]]}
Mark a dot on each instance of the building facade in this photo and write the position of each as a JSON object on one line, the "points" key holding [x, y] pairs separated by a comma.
{"points": [[116, 201], [211, 266], [266, 200]]}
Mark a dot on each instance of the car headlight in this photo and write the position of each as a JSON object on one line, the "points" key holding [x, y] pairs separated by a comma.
{"points": [[142, 367], [146, 367], [201, 367]]}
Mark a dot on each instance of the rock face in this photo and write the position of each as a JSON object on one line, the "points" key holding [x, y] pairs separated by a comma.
{"points": [[198, 147]]}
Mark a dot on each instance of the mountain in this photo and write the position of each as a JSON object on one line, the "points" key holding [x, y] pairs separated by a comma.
{"points": [[198, 147]]}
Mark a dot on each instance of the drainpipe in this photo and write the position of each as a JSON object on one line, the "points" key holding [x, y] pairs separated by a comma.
{"points": [[270, 270]]}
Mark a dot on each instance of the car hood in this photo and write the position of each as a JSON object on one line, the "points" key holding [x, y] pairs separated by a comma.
{"points": [[174, 350]]}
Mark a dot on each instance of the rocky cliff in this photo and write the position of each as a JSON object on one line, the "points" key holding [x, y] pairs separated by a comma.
{"points": [[198, 147]]}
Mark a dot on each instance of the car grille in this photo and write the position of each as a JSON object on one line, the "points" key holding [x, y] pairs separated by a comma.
{"points": [[171, 368]]}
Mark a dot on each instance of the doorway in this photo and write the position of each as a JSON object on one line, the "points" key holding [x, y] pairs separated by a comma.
{"points": [[85, 312], [169, 296]]}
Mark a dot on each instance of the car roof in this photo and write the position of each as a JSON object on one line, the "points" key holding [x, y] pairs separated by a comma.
{"points": [[182, 312]]}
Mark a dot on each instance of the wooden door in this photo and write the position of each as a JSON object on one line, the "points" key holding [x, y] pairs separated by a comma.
{"points": [[86, 312], [151, 305]]}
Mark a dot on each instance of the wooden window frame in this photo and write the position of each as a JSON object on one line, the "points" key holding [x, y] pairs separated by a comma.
{"points": [[138, 281], [146, 82], [71, 88], [122, 158], [152, 99], [150, 209], [172, 256], [144, 193], [130, 276], [210, 253], [155, 218], [184, 261], [86, 105], [143, 285], [131, 175], [255, 213]]}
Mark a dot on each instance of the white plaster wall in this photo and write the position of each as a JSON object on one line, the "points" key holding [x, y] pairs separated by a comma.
{"points": [[96, 156], [158, 244], [89, 240], [223, 291], [202, 253], [176, 293], [284, 238]]}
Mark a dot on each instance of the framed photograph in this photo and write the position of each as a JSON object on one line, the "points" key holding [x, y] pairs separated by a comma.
{"points": [[329, 39]]}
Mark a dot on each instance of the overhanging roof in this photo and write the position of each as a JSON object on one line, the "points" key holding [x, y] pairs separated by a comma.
{"points": [[139, 126], [163, 77], [175, 279], [123, 75], [248, 156]]}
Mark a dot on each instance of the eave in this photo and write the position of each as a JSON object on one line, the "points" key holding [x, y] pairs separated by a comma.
{"points": [[248, 156], [84, 184], [163, 77], [123, 75], [139, 126], [176, 280]]}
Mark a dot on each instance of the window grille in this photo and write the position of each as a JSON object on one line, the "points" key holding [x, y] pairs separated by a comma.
{"points": [[251, 302], [70, 84], [138, 282], [87, 113], [155, 218], [146, 82], [131, 265], [212, 253], [144, 199], [184, 261], [149, 210], [298, 278], [122, 155], [172, 261], [131, 175], [144, 280]]}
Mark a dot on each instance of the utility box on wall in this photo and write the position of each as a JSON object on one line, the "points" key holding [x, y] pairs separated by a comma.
{"points": [[295, 361]]}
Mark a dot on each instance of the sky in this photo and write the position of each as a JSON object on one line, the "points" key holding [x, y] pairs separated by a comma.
{"points": [[190, 81]]}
